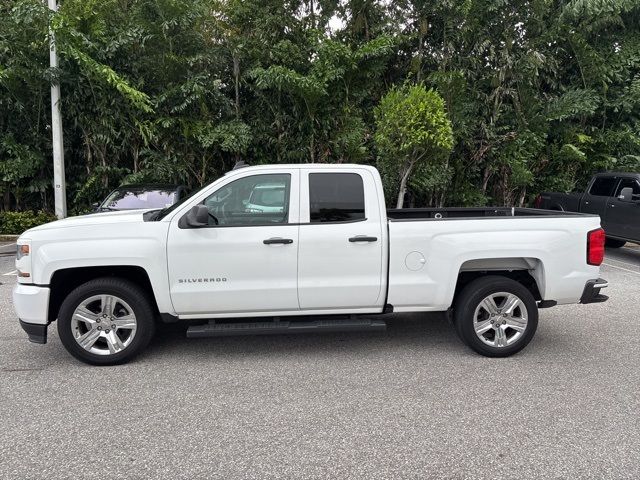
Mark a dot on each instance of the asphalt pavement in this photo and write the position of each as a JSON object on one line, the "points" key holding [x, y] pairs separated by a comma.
{"points": [[412, 402]]}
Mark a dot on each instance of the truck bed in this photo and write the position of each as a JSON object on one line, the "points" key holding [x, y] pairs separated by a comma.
{"points": [[460, 213]]}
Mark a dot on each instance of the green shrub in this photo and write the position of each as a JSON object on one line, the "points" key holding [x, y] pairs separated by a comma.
{"points": [[14, 223]]}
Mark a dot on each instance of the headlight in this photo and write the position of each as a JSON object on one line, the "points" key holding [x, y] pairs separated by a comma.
{"points": [[22, 251], [23, 260]]}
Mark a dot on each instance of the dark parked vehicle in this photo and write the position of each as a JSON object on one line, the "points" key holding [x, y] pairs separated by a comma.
{"points": [[133, 197], [613, 196]]}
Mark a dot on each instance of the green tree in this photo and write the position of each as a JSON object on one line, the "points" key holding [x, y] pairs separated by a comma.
{"points": [[412, 131], [539, 94]]}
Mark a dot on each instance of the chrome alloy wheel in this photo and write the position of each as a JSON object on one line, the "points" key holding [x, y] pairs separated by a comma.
{"points": [[500, 319], [103, 324]]}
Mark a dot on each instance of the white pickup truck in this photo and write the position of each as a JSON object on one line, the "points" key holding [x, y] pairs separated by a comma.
{"points": [[297, 248]]}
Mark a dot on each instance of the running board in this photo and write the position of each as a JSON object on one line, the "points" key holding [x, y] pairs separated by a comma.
{"points": [[213, 329]]}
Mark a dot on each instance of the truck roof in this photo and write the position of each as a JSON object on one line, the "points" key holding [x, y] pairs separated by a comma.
{"points": [[304, 166], [617, 174]]}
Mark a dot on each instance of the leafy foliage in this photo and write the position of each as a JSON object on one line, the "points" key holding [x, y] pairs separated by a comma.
{"points": [[14, 223], [539, 94], [413, 131]]}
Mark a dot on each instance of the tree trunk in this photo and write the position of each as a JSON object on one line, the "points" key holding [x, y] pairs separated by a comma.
{"points": [[403, 185], [136, 155], [312, 148], [236, 76], [485, 179], [523, 197]]}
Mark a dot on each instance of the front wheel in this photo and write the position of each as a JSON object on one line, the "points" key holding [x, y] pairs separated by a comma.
{"points": [[106, 321], [496, 316]]}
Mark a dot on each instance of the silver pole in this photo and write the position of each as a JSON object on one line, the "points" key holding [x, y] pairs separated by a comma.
{"points": [[59, 185]]}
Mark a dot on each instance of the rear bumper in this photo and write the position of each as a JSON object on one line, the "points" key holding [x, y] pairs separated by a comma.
{"points": [[591, 292]]}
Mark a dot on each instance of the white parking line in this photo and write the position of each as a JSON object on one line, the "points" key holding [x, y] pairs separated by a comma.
{"points": [[14, 272], [620, 268], [624, 263]]}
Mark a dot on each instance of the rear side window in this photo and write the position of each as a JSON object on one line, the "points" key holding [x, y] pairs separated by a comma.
{"points": [[628, 183], [602, 187], [336, 197]]}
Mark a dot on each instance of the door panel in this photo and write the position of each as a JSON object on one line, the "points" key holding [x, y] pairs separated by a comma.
{"points": [[340, 250], [228, 267], [623, 218], [595, 200], [594, 204]]}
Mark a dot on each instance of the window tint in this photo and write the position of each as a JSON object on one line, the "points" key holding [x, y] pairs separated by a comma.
{"points": [[336, 197], [602, 186], [254, 200], [628, 183]]}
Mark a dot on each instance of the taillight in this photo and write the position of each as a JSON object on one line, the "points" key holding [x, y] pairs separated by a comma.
{"points": [[595, 247], [538, 201]]}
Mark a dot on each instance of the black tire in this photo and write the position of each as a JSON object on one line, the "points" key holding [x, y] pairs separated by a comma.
{"points": [[469, 299], [614, 243], [125, 290]]}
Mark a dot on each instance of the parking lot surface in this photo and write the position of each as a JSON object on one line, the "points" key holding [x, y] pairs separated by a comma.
{"points": [[412, 402]]}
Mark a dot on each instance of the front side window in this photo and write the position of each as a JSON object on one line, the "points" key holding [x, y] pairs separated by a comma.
{"points": [[628, 183], [602, 187], [336, 197], [254, 200]]}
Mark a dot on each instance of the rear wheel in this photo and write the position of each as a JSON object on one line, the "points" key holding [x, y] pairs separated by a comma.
{"points": [[496, 316], [106, 321], [614, 243]]}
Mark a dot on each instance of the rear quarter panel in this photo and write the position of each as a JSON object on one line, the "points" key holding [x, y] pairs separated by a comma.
{"points": [[556, 244]]}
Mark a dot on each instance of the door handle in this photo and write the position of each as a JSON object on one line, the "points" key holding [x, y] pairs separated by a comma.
{"points": [[363, 238], [272, 241]]}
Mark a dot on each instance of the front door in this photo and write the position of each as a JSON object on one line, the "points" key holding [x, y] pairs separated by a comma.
{"points": [[623, 218], [246, 259], [340, 259]]}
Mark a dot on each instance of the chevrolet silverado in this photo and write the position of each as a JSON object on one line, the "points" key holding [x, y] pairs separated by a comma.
{"points": [[299, 248]]}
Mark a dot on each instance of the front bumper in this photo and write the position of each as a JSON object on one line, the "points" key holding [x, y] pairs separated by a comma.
{"points": [[31, 304], [591, 292], [36, 333]]}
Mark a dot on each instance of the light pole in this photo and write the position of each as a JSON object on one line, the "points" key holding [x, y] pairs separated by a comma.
{"points": [[59, 184]]}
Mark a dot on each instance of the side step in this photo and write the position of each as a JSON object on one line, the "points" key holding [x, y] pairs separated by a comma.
{"points": [[213, 329]]}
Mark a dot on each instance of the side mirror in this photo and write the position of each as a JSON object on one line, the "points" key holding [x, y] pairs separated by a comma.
{"points": [[626, 195], [197, 217], [95, 205]]}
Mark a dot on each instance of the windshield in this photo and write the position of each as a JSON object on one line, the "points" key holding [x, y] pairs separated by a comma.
{"points": [[166, 211], [135, 198]]}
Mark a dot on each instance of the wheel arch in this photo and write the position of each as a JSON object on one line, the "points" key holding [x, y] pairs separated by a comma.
{"points": [[65, 280], [525, 270]]}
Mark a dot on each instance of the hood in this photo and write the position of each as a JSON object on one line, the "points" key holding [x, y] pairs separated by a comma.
{"points": [[101, 218]]}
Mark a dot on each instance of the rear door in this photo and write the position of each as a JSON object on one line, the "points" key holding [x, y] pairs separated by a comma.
{"points": [[623, 218], [596, 197], [340, 252]]}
